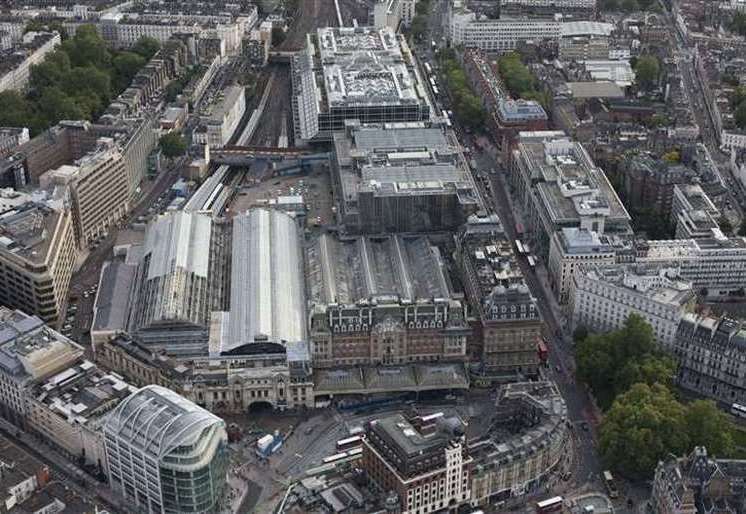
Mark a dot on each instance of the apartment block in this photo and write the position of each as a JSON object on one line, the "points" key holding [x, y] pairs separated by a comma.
{"points": [[37, 254], [559, 186], [693, 213], [15, 69], [502, 35], [602, 297], [98, 189], [525, 445], [30, 352], [570, 248], [710, 353], [68, 409], [219, 120]]}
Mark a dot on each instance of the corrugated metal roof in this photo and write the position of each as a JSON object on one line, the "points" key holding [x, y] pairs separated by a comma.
{"points": [[179, 240], [267, 294]]}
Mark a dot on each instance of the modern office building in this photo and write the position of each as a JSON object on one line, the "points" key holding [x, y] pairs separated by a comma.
{"points": [[15, 69], [37, 256], [525, 445], [166, 454], [602, 297], [219, 120], [98, 190], [693, 213], [382, 300], [30, 352], [711, 353], [509, 321], [716, 266], [393, 13], [401, 178], [559, 186], [68, 409], [504, 34], [363, 73], [422, 460], [568, 249]]}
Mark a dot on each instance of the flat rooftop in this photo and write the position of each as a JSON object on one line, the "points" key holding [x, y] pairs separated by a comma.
{"points": [[362, 269], [28, 346], [412, 441], [365, 66], [569, 183], [82, 393], [659, 285], [400, 159], [27, 231]]}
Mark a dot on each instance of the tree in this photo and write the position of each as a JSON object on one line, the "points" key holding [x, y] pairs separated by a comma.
{"points": [[173, 144], [673, 156], [418, 27], [643, 426], [725, 225], [15, 110], [146, 47], [51, 71], [740, 115], [741, 228], [55, 105], [278, 36], [708, 426], [87, 48], [580, 333], [126, 65], [738, 24], [610, 363], [647, 71], [517, 77]]}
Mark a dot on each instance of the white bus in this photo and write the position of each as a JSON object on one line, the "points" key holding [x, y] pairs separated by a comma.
{"points": [[428, 68], [531, 261], [550, 505], [738, 410], [447, 118], [610, 485], [519, 246]]}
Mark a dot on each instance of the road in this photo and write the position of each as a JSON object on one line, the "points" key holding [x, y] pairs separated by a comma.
{"points": [[87, 276], [684, 55]]}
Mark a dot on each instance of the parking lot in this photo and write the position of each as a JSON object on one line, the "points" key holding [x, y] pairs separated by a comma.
{"points": [[314, 187]]}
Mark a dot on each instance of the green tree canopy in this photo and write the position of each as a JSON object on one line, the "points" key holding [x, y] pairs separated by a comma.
{"points": [[126, 65], [173, 144], [55, 105], [647, 71], [610, 363], [643, 426], [87, 48], [146, 47], [740, 115], [517, 77], [708, 426], [725, 225]]}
